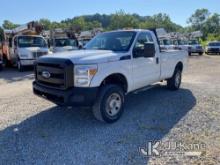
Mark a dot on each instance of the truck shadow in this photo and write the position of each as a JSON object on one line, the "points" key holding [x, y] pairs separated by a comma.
{"points": [[10, 75], [72, 136]]}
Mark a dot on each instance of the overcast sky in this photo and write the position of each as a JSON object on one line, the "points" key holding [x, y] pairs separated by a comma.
{"points": [[22, 11]]}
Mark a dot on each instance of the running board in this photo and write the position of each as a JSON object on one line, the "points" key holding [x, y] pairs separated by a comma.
{"points": [[146, 88]]}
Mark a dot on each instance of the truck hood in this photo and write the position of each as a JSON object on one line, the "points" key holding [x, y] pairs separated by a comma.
{"points": [[32, 49], [88, 56]]}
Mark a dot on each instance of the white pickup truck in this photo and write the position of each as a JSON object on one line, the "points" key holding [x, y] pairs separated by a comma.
{"points": [[110, 66]]}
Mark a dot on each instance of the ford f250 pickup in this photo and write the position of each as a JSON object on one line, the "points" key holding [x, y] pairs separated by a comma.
{"points": [[111, 65]]}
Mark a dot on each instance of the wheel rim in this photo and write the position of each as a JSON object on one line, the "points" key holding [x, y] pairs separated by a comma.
{"points": [[178, 79], [113, 104]]}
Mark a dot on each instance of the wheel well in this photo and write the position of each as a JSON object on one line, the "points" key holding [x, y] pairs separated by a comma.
{"points": [[118, 79], [179, 66]]}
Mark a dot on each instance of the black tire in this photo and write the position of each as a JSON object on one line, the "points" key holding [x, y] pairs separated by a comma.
{"points": [[200, 54], [189, 54], [1, 67], [102, 109], [4, 62], [175, 81], [20, 66]]}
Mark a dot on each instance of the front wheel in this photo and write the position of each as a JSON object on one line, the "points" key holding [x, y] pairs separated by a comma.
{"points": [[175, 81], [4, 62], [109, 105], [200, 54]]}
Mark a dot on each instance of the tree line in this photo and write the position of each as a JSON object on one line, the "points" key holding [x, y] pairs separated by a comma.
{"points": [[201, 19]]}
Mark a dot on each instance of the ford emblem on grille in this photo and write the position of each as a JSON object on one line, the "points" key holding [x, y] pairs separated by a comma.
{"points": [[46, 74]]}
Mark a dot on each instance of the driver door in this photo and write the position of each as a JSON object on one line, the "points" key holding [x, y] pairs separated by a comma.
{"points": [[146, 69]]}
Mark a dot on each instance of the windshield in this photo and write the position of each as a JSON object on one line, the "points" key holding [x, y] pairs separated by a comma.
{"points": [[193, 42], [180, 42], [65, 42], [115, 41], [214, 44], [31, 41], [167, 42]]}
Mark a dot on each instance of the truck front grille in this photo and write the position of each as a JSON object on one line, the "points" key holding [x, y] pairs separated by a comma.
{"points": [[59, 73]]}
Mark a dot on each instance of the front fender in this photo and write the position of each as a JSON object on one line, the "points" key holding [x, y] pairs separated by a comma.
{"points": [[107, 69]]}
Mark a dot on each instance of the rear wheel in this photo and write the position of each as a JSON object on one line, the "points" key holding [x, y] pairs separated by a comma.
{"points": [[175, 81], [200, 54], [189, 54], [109, 105]]}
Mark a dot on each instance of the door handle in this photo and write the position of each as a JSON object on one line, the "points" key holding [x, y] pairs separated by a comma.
{"points": [[157, 60]]}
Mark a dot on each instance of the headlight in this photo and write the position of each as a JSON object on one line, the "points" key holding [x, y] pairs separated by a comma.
{"points": [[83, 75]]}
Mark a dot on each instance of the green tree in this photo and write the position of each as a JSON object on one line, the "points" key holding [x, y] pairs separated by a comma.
{"points": [[160, 21], [46, 23], [207, 23], [198, 19], [121, 20], [9, 25], [78, 24], [92, 25], [212, 25]]}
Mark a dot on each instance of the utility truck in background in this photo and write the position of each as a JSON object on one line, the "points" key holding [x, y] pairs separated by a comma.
{"points": [[178, 41], [85, 36], [111, 65], [1, 57], [23, 45], [62, 40]]}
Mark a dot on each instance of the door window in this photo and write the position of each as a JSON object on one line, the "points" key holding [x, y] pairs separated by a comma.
{"points": [[139, 47]]}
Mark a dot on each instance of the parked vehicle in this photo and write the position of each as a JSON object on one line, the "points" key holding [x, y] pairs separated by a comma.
{"points": [[1, 57], [83, 42], [195, 47], [181, 45], [112, 65], [23, 45], [1, 65], [166, 44], [63, 40], [85, 36], [213, 47]]}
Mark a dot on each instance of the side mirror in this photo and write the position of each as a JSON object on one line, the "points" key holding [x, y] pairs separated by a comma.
{"points": [[149, 50]]}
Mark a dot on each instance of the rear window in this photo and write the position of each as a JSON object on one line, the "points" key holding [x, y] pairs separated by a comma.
{"points": [[193, 42]]}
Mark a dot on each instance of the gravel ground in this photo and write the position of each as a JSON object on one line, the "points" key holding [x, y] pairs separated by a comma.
{"points": [[35, 131]]}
